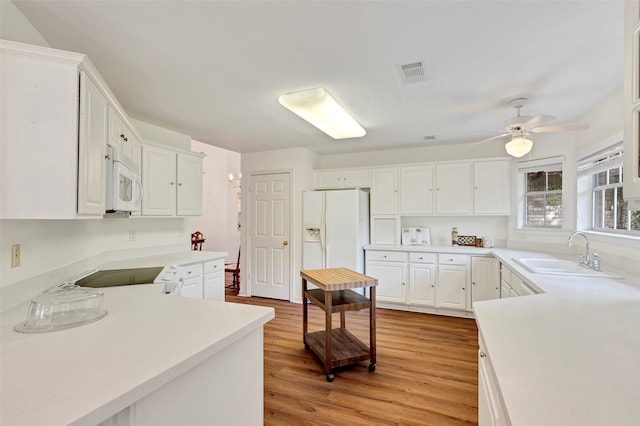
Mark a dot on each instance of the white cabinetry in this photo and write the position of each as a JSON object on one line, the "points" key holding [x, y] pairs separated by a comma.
{"points": [[390, 268], [511, 285], [171, 182], [92, 146], [192, 285], [453, 188], [491, 187], [631, 99], [452, 281], [214, 280], [384, 191], [416, 190], [53, 140], [485, 278], [422, 279], [351, 178], [123, 138], [491, 410]]}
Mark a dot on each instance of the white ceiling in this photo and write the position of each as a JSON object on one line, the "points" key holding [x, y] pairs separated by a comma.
{"points": [[214, 69]]}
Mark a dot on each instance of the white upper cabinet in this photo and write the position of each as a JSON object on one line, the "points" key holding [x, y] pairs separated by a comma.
{"points": [[171, 182], [416, 194], [350, 178], [384, 191], [122, 137], [631, 99], [491, 188], [53, 143], [453, 188], [92, 165]]}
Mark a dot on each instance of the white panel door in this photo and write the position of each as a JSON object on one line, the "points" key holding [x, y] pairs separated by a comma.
{"points": [[485, 279], [392, 280], [452, 282], [491, 187], [422, 284], [416, 190], [384, 191], [92, 165], [158, 181], [453, 188], [269, 234], [189, 185]]}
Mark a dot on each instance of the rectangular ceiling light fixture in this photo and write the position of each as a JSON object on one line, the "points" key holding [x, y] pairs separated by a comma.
{"points": [[318, 108]]}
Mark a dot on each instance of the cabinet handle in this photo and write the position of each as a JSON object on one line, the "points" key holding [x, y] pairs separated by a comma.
{"points": [[385, 256], [482, 355], [126, 139], [420, 257], [107, 157], [180, 184], [402, 283], [172, 183], [473, 283], [121, 135]]}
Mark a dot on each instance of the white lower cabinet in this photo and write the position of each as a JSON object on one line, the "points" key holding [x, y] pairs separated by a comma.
{"points": [[192, 285], [422, 279], [452, 281], [214, 280], [485, 278], [491, 410], [390, 268], [511, 285]]}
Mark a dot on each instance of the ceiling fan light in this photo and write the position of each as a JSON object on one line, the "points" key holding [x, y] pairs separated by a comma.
{"points": [[319, 108], [519, 146]]}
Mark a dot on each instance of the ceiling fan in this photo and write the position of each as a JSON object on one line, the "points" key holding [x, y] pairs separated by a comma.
{"points": [[520, 127]]}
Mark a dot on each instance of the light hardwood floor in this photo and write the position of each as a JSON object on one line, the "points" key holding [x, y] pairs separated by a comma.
{"points": [[426, 371]]}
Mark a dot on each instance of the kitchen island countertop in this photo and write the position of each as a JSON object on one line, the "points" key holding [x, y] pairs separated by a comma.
{"points": [[83, 375]]}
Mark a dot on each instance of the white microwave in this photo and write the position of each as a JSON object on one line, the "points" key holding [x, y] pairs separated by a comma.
{"points": [[124, 185]]}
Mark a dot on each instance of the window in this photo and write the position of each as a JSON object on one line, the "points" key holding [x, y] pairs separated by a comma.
{"points": [[610, 211], [543, 196]]}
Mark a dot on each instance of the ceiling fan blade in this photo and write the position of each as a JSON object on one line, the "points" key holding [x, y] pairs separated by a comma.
{"points": [[537, 120], [490, 139], [571, 127]]}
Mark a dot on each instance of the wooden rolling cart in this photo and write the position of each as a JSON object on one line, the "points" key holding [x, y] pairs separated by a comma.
{"points": [[338, 347]]}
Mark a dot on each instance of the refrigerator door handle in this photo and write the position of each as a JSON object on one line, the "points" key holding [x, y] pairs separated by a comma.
{"points": [[323, 234]]}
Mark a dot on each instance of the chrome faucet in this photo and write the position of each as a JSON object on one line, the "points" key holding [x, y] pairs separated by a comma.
{"points": [[585, 259]]}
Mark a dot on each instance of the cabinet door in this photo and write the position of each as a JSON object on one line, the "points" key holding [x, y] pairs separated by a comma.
{"points": [[391, 280], [192, 287], [453, 188], [490, 410], [485, 279], [491, 187], [384, 191], [189, 196], [416, 190], [329, 179], [452, 283], [92, 148], [158, 181], [422, 284], [115, 129], [214, 286], [357, 178], [631, 104]]}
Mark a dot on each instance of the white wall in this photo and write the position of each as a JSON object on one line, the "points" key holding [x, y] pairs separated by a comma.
{"points": [[16, 27], [220, 200], [301, 163]]}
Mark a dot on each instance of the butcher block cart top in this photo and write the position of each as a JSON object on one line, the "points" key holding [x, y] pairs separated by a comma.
{"points": [[338, 347]]}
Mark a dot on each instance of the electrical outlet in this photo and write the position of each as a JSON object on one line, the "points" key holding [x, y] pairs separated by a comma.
{"points": [[15, 255], [132, 235]]}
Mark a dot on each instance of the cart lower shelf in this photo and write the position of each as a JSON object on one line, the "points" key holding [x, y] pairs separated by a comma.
{"points": [[345, 349]]}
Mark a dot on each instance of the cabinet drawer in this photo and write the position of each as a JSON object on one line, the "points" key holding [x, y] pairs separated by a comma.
{"points": [[453, 259], [191, 271], [392, 256], [422, 257], [214, 266]]}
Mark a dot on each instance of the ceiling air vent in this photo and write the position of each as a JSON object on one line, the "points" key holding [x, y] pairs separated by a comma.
{"points": [[412, 72]]}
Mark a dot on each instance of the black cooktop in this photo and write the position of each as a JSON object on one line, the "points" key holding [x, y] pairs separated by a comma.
{"points": [[118, 277]]}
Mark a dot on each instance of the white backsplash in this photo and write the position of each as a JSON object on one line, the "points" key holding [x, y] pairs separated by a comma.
{"points": [[479, 226]]}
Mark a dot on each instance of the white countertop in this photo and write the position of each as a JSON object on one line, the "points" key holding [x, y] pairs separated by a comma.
{"points": [[570, 356], [85, 374], [432, 249]]}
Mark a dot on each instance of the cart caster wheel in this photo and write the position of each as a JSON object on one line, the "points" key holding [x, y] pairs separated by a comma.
{"points": [[307, 347], [372, 368], [330, 377]]}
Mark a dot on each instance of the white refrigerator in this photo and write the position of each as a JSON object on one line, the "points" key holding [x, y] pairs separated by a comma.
{"points": [[336, 229]]}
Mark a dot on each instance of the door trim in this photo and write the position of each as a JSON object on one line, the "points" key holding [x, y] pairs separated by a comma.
{"points": [[247, 239]]}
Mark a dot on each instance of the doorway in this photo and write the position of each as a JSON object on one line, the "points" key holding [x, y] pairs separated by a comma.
{"points": [[269, 235]]}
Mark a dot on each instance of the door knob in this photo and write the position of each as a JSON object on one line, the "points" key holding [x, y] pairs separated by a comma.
{"points": [[285, 243]]}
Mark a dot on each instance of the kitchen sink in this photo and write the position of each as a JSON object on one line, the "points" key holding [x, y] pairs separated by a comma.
{"points": [[559, 267]]}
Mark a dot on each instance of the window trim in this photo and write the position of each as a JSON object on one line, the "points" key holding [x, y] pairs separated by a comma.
{"points": [[547, 164]]}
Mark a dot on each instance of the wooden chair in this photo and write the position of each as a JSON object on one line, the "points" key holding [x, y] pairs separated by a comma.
{"points": [[234, 268], [196, 240]]}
